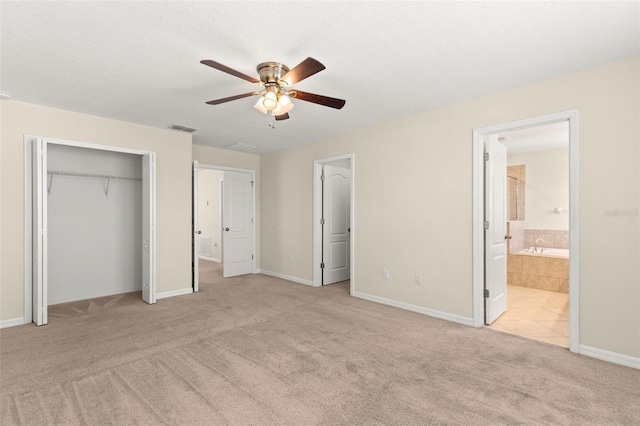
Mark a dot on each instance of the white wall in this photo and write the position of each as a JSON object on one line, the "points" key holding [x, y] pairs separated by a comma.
{"points": [[413, 200], [94, 240], [546, 187], [209, 208]]}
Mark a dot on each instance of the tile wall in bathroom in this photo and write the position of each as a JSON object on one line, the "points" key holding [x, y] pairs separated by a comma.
{"points": [[515, 228], [552, 238]]}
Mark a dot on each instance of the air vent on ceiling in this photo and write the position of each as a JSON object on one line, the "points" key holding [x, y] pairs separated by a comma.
{"points": [[240, 147], [182, 128]]}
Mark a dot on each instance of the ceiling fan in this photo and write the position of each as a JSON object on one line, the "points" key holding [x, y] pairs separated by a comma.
{"points": [[276, 80]]}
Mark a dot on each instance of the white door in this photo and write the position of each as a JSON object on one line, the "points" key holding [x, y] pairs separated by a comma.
{"points": [[495, 234], [40, 182], [237, 224], [194, 228], [336, 223], [148, 229]]}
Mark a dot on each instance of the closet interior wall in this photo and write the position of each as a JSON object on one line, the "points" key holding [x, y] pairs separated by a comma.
{"points": [[94, 223]]}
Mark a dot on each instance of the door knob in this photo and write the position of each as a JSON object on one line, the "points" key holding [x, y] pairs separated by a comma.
{"points": [[199, 232], [226, 229]]}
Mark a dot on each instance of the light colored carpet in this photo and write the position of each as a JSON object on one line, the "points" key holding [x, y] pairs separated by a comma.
{"points": [[256, 350]]}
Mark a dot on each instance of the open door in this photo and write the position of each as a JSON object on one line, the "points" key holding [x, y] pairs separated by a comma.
{"points": [[495, 229], [336, 183], [196, 232], [39, 255], [237, 224], [148, 229]]}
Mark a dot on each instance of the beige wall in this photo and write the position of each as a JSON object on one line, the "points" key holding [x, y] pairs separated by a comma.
{"points": [[546, 187], [173, 166], [236, 160], [413, 200]]}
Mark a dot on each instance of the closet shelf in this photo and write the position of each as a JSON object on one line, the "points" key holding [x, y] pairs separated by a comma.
{"points": [[108, 178]]}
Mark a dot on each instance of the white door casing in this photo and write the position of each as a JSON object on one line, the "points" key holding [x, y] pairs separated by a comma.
{"points": [[194, 227], [237, 224], [148, 228], [495, 235], [39, 218], [336, 223]]}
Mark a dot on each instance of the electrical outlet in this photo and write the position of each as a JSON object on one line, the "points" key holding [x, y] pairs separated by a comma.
{"points": [[290, 258], [385, 273], [418, 279]]}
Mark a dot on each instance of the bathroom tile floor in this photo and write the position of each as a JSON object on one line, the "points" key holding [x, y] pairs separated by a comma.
{"points": [[536, 314]]}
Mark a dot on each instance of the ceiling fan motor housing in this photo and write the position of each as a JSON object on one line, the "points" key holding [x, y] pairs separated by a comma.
{"points": [[271, 72]]}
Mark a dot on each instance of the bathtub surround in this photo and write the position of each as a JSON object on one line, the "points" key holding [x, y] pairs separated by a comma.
{"points": [[550, 273], [515, 229], [552, 238]]}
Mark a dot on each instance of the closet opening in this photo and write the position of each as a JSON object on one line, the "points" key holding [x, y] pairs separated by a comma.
{"points": [[92, 228]]}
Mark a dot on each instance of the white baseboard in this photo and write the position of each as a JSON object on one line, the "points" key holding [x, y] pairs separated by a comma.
{"points": [[210, 259], [614, 357], [172, 293], [413, 308], [13, 322], [287, 277]]}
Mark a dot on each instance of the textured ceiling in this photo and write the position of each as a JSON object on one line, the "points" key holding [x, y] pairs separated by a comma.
{"points": [[140, 61]]}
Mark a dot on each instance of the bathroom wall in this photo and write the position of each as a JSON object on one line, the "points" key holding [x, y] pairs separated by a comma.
{"points": [[546, 188], [515, 200]]}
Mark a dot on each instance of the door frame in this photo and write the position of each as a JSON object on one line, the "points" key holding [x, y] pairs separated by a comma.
{"points": [[317, 215], [29, 140], [201, 166], [478, 215]]}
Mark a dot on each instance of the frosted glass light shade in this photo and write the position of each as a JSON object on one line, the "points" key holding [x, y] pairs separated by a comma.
{"points": [[285, 104], [260, 105], [270, 101]]}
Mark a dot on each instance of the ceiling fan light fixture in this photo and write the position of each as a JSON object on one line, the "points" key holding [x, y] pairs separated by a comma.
{"points": [[285, 104], [270, 100], [275, 80], [260, 105]]}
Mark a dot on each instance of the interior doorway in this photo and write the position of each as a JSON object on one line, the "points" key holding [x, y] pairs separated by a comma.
{"points": [[333, 220], [537, 228], [486, 277], [39, 184], [229, 235]]}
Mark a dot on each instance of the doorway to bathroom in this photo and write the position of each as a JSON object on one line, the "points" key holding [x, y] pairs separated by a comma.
{"points": [[525, 221]]}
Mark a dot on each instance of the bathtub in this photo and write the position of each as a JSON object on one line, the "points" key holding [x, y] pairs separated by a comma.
{"points": [[548, 270], [547, 252]]}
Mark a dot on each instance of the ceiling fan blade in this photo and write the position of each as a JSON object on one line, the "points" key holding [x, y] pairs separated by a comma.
{"points": [[304, 69], [284, 116], [319, 99], [231, 98], [224, 68]]}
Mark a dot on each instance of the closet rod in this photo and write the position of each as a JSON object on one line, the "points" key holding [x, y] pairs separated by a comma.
{"points": [[90, 175]]}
